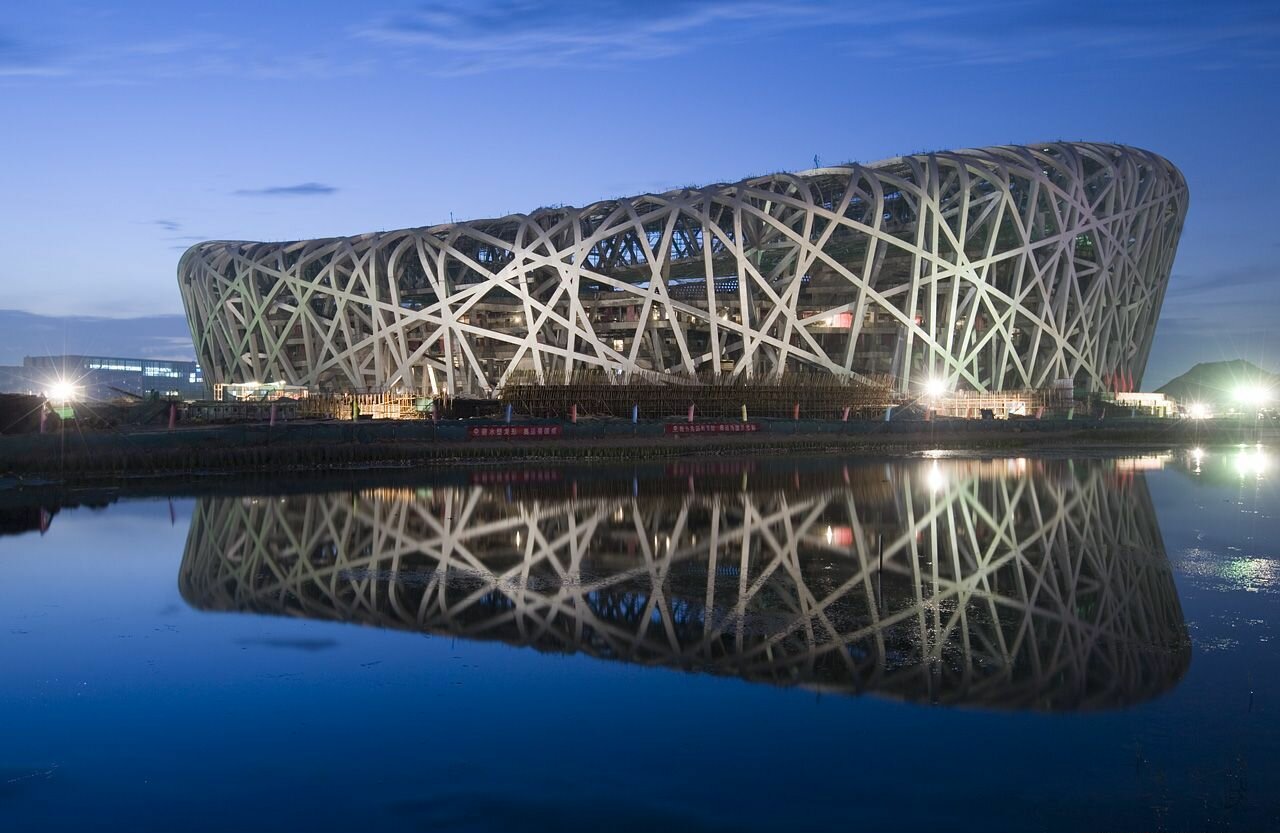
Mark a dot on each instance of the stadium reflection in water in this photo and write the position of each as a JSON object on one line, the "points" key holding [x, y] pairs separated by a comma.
{"points": [[1009, 584]]}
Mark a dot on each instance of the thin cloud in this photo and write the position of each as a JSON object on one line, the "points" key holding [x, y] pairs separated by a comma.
{"points": [[1243, 36], [171, 348], [19, 58], [1182, 284], [168, 225], [84, 58], [9, 69], [459, 37], [303, 189], [466, 37]]}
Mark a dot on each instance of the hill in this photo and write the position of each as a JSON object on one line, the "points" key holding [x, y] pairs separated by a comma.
{"points": [[1216, 382]]}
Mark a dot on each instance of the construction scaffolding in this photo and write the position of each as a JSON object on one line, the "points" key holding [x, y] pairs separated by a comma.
{"points": [[1005, 403], [798, 395], [811, 396], [386, 405]]}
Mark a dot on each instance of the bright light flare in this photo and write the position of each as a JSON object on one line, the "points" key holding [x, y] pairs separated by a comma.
{"points": [[61, 391], [1199, 410], [1255, 395], [935, 479], [1252, 462], [935, 388]]}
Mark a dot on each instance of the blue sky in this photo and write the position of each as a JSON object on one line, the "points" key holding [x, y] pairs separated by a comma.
{"points": [[135, 129]]}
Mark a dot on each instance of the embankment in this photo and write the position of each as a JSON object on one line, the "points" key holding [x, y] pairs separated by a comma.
{"points": [[325, 446]]}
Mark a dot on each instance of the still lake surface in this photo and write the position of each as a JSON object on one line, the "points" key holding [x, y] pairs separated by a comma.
{"points": [[937, 642]]}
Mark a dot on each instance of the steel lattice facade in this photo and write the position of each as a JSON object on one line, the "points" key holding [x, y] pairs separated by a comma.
{"points": [[990, 269]]}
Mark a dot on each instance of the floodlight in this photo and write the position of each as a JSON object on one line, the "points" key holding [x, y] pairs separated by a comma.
{"points": [[1252, 394], [61, 391]]}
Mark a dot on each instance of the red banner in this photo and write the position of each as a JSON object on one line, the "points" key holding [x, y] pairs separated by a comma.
{"points": [[500, 476], [712, 427], [495, 432], [712, 468]]}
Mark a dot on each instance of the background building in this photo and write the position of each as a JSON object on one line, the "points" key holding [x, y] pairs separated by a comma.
{"points": [[105, 377], [985, 270]]}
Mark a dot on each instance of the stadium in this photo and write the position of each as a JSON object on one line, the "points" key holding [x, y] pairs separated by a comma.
{"points": [[984, 270]]}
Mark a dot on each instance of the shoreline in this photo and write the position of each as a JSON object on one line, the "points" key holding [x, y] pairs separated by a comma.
{"points": [[584, 477], [302, 449]]}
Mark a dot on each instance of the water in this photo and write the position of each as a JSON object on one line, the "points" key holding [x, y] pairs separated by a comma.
{"points": [[997, 644]]}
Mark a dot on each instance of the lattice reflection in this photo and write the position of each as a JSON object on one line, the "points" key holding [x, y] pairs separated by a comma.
{"points": [[1007, 584]]}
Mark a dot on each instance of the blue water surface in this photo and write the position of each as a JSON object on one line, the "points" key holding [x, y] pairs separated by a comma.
{"points": [[394, 657]]}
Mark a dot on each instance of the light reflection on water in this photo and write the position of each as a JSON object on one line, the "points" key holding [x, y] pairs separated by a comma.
{"points": [[1247, 562], [1253, 575], [1002, 584]]}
